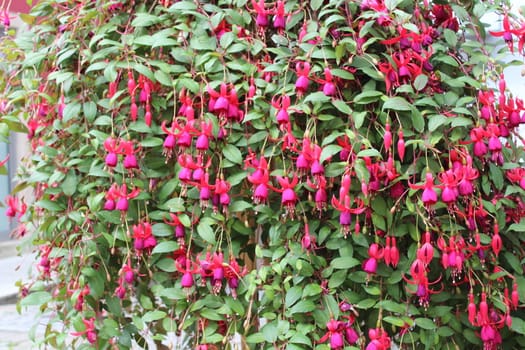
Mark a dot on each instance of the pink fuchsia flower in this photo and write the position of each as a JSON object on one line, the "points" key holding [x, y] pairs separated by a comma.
{"points": [[303, 71], [262, 13], [130, 160], [429, 196], [89, 330], [288, 195], [506, 33], [113, 148], [334, 334], [143, 236]]}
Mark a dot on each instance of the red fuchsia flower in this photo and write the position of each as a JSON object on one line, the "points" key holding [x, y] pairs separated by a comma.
{"points": [[14, 207], [516, 175], [400, 145], [429, 196], [391, 252], [379, 339], [279, 19], [179, 229], [260, 178], [506, 33], [281, 104], [375, 254], [307, 241], [444, 17], [334, 333], [288, 195], [203, 140], [423, 290], [118, 197], [449, 192], [186, 109], [346, 211], [496, 242], [213, 266], [222, 187], [235, 114], [143, 236], [452, 255], [378, 6], [321, 197], [205, 189], [303, 71], [219, 101], [478, 136], [130, 160], [329, 88], [262, 13], [233, 273], [188, 270], [113, 148], [89, 331]]}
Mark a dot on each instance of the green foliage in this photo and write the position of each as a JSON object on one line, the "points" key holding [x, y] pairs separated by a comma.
{"points": [[348, 173]]}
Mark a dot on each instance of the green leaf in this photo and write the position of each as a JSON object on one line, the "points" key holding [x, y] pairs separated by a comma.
{"points": [[143, 19], [163, 78], [425, 323], [165, 247], [420, 82], [369, 153], [270, 332], [203, 43], [206, 232], [69, 186], [436, 121], [397, 104], [342, 107], [166, 264], [312, 289], [302, 307], [90, 110], [344, 262], [36, 298], [328, 152], [292, 295], [396, 321], [451, 37], [232, 153], [155, 315], [72, 110], [367, 97]]}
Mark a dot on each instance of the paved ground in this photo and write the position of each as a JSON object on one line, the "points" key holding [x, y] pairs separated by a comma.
{"points": [[14, 327]]}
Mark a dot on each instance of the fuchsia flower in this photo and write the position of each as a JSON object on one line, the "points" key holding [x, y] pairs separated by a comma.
{"points": [[143, 236], [506, 33], [379, 339], [89, 331], [130, 160], [429, 196], [113, 148], [288, 197], [14, 207], [375, 254], [225, 104], [329, 88], [222, 187], [118, 197], [281, 104], [303, 71], [334, 334], [260, 178], [262, 13], [279, 19]]}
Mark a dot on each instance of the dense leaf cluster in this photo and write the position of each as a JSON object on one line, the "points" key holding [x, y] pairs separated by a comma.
{"points": [[289, 174]]}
